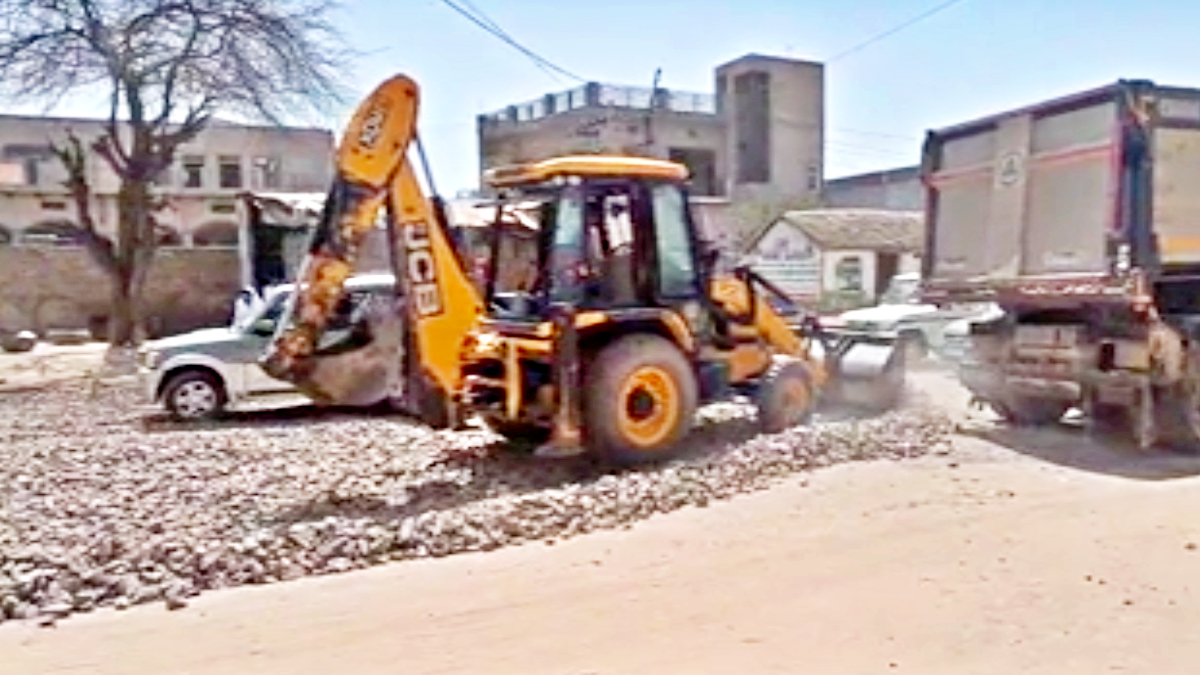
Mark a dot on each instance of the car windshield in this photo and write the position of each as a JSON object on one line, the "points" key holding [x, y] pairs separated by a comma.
{"points": [[270, 311]]}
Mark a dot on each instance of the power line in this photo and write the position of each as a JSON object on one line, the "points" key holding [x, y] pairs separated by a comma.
{"points": [[492, 28], [474, 9], [473, 13], [495, 29], [844, 130], [848, 147], [892, 31], [879, 134]]}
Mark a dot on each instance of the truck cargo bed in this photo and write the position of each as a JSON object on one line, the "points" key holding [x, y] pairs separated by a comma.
{"points": [[1095, 196]]}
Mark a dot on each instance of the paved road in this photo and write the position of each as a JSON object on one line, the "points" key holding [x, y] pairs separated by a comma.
{"points": [[1032, 552]]}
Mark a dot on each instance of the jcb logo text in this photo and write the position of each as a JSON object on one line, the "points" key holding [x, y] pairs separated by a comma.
{"points": [[422, 271]]}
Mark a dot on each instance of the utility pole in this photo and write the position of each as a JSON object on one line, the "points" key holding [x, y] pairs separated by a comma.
{"points": [[650, 113]]}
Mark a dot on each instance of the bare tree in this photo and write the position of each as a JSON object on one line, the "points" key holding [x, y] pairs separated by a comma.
{"points": [[166, 67]]}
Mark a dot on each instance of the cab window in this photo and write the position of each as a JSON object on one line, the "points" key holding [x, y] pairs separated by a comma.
{"points": [[676, 257]]}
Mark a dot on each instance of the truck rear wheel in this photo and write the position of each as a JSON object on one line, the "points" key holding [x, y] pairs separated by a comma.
{"points": [[640, 397], [1029, 411], [1178, 418]]}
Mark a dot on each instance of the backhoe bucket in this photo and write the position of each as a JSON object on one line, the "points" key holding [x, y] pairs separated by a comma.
{"points": [[866, 372], [361, 370]]}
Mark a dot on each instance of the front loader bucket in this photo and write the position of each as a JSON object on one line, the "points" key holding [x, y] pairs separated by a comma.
{"points": [[866, 372]]}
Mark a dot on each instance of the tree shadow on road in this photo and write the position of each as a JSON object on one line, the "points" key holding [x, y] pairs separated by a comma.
{"points": [[1069, 445]]}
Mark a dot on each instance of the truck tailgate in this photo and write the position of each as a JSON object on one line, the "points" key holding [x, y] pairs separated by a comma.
{"points": [[1030, 193]]}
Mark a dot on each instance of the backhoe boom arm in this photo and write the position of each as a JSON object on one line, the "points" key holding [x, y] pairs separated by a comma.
{"points": [[440, 303]]}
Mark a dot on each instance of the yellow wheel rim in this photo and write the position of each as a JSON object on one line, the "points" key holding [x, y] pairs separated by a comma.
{"points": [[648, 407]]}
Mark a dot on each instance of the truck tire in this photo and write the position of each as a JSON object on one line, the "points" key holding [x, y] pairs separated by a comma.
{"points": [[784, 397], [194, 395], [640, 398], [1032, 412], [1178, 419]]}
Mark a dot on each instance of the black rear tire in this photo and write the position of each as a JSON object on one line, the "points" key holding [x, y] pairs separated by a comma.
{"points": [[1032, 412], [1178, 419], [640, 399]]}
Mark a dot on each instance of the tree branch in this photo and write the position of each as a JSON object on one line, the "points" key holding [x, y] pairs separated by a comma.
{"points": [[74, 159]]}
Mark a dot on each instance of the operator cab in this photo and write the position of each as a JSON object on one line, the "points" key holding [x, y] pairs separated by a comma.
{"points": [[615, 233]]}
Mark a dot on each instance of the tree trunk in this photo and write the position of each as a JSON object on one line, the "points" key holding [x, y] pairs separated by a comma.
{"points": [[123, 313], [135, 252]]}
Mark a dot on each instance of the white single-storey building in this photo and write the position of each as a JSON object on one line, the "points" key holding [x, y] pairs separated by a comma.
{"points": [[837, 258]]}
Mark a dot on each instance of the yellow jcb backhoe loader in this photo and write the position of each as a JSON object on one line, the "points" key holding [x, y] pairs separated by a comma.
{"points": [[623, 334]]}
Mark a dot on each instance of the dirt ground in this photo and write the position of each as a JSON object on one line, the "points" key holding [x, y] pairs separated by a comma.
{"points": [[50, 363], [1024, 551]]}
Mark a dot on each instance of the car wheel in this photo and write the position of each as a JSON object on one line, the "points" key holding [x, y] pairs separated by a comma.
{"points": [[17, 343], [195, 395]]}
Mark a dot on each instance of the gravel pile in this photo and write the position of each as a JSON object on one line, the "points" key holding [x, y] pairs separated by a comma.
{"points": [[102, 508]]}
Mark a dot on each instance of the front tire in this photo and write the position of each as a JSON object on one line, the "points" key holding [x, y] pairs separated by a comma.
{"points": [[195, 395], [640, 400], [785, 397]]}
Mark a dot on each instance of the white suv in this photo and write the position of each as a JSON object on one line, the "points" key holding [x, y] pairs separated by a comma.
{"points": [[201, 374]]}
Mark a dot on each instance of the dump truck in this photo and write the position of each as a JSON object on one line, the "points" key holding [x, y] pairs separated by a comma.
{"points": [[1079, 218]]}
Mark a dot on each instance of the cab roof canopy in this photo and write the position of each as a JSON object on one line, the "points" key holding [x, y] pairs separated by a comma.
{"points": [[584, 166]]}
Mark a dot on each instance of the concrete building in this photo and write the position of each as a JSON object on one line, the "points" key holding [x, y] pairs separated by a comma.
{"points": [[200, 189], [773, 111], [759, 137], [595, 118], [47, 283], [835, 259], [898, 189]]}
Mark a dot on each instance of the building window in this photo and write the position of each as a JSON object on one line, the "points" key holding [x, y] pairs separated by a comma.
{"points": [[29, 157], [231, 171], [848, 274], [266, 173], [193, 171], [752, 93]]}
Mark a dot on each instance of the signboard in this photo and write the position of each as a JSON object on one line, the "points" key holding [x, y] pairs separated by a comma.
{"points": [[786, 258]]}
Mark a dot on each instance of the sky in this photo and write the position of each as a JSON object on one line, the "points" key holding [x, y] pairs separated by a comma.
{"points": [[969, 59]]}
